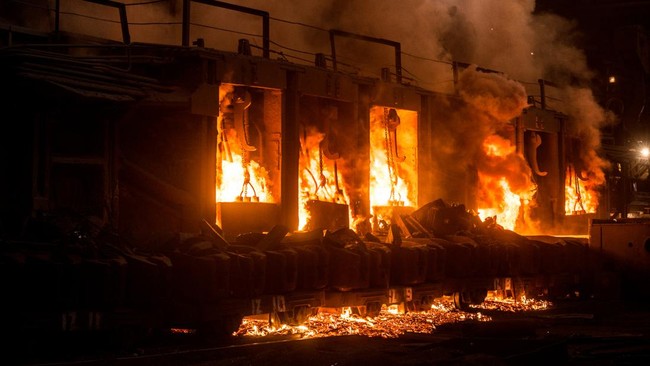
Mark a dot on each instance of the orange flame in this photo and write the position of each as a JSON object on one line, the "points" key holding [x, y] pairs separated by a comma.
{"points": [[239, 177], [318, 179], [507, 211], [232, 179], [393, 161], [579, 197], [497, 197]]}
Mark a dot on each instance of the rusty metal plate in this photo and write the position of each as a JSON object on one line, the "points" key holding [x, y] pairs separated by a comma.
{"points": [[625, 242], [236, 218], [327, 215]]}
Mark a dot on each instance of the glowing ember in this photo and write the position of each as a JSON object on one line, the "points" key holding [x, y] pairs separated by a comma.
{"points": [[386, 324], [579, 198], [182, 331], [393, 157], [512, 304]]}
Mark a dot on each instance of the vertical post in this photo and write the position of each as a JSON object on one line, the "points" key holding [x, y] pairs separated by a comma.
{"points": [[542, 92], [126, 37], [562, 167], [290, 152], [57, 17], [333, 49], [186, 23], [398, 62], [266, 39], [208, 169]]}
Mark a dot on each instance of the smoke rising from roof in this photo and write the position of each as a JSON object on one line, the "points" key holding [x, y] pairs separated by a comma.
{"points": [[503, 35]]}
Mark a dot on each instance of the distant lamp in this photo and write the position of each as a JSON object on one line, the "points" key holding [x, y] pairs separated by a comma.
{"points": [[645, 152], [612, 79]]}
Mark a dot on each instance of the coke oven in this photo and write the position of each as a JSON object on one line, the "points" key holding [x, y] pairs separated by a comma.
{"points": [[181, 186]]}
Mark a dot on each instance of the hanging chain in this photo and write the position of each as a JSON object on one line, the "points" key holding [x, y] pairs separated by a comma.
{"points": [[390, 158], [243, 195]]}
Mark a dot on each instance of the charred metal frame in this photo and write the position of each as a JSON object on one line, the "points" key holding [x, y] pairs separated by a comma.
{"points": [[195, 205], [264, 14], [396, 45], [126, 36]]}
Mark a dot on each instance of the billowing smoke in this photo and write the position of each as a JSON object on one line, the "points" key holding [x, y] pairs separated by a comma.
{"points": [[507, 36], [503, 35], [472, 133]]}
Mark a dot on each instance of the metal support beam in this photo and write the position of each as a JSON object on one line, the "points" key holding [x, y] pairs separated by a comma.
{"points": [[396, 45], [290, 152], [266, 40], [126, 36]]}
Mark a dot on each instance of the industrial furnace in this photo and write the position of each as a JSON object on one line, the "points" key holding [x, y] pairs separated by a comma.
{"points": [[328, 133], [248, 159], [393, 142]]}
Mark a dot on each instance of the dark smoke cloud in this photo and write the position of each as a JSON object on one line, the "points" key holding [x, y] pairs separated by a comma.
{"points": [[503, 35], [492, 93]]}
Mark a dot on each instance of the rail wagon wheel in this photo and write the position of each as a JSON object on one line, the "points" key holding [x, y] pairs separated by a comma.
{"points": [[463, 299]]}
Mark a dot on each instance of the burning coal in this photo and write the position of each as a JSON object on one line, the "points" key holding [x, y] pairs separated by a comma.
{"points": [[391, 322], [512, 304], [388, 324]]}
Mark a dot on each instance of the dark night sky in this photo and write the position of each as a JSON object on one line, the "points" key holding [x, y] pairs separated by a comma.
{"points": [[614, 38], [598, 20]]}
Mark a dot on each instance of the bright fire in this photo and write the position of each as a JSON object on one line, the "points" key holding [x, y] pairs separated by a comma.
{"points": [[319, 178], [579, 199], [507, 210], [239, 176], [240, 181], [496, 196], [393, 157]]}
